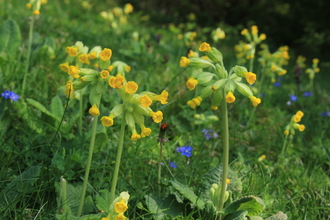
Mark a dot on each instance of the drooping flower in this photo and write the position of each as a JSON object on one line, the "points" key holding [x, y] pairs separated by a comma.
{"points": [[106, 54], [94, 111], [107, 121], [191, 83], [120, 207], [157, 116], [250, 77], [255, 101], [184, 62], [230, 98], [69, 90], [205, 47]]}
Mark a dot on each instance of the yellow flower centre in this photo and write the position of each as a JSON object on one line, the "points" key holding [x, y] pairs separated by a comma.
{"points": [[104, 74]]}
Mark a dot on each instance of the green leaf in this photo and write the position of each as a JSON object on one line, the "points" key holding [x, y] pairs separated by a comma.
{"points": [[40, 107], [164, 208], [56, 107], [18, 187], [10, 37], [189, 194], [214, 176], [238, 215], [278, 216], [58, 162], [97, 216], [252, 204], [103, 200]]}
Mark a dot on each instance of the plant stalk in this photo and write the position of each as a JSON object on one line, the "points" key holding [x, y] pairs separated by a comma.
{"points": [[159, 165], [117, 164], [88, 166], [225, 139], [28, 54]]}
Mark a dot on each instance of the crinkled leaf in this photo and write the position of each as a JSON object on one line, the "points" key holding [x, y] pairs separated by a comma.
{"points": [[189, 194], [278, 216], [238, 215], [103, 200], [164, 208], [252, 204], [10, 37], [214, 176]]}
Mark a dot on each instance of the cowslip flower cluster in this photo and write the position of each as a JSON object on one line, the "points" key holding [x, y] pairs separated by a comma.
{"points": [[185, 150], [117, 15], [215, 82], [118, 207], [218, 34], [246, 51], [35, 6], [10, 95], [294, 125], [273, 63], [315, 69]]}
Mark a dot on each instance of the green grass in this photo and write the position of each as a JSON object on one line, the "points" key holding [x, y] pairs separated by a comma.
{"points": [[298, 185]]}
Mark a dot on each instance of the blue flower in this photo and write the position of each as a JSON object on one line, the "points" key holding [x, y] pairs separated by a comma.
{"points": [[10, 95], [323, 114], [306, 94], [277, 84], [172, 164], [209, 133], [185, 150], [293, 98]]}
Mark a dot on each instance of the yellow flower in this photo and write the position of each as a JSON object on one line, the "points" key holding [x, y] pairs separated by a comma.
{"points": [[286, 132], [105, 218], [250, 77], [134, 137], [157, 116], [43, 2], [205, 47], [94, 111], [162, 97], [73, 71], [120, 207], [315, 60], [244, 31], [255, 101], [191, 53], [120, 217], [317, 70], [296, 118], [262, 37], [128, 8], [91, 55], [254, 29], [180, 36], [83, 58], [230, 98], [110, 68], [191, 104], [64, 67], [72, 51], [145, 101], [184, 62], [106, 54], [28, 6], [36, 12], [191, 83], [197, 100], [107, 121], [214, 107], [301, 127], [127, 68], [145, 132], [116, 82], [69, 90], [104, 74], [131, 87]]}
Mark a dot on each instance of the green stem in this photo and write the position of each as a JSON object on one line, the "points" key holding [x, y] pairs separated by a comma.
{"points": [[159, 165], [284, 146], [118, 158], [225, 138], [28, 55], [65, 205], [88, 166], [81, 112]]}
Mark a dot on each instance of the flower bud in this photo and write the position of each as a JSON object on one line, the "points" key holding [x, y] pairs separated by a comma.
{"points": [[215, 55], [204, 77], [244, 89], [220, 71], [200, 62]]}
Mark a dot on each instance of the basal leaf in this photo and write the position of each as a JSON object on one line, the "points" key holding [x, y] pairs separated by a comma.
{"points": [[10, 37], [252, 204], [189, 194], [103, 200], [278, 216], [238, 215], [40, 107], [56, 107]]}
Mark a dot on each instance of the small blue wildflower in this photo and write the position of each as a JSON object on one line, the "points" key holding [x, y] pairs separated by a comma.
{"points": [[185, 150], [293, 98], [277, 84], [173, 165], [323, 114], [10, 95], [306, 94], [209, 133]]}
